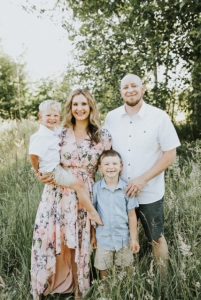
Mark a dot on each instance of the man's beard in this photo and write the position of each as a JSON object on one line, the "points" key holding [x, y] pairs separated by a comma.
{"points": [[132, 103]]}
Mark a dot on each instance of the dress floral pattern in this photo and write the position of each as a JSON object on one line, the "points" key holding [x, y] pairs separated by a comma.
{"points": [[59, 220]]}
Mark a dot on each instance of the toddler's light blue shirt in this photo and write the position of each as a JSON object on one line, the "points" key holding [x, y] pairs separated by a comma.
{"points": [[113, 207]]}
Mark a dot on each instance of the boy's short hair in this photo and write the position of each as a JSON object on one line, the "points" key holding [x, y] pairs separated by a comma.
{"points": [[49, 105], [107, 153]]}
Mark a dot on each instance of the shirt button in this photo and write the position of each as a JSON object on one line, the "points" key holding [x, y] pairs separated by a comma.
{"points": [[131, 122], [129, 150], [130, 135], [129, 164], [129, 178]]}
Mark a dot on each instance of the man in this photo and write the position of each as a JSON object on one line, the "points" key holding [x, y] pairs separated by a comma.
{"points": [[146, 139]]}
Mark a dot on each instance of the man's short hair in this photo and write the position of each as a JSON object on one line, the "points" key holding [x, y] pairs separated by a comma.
{"points": [[48, 105]]}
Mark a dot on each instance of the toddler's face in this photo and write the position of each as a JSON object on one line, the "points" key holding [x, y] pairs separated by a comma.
{"points": [[111, 167], [51, 119]]}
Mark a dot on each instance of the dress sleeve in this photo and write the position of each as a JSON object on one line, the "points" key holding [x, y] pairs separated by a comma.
{"points": [[106, 139]]}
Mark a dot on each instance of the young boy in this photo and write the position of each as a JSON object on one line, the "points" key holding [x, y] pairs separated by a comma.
{"points": [[118, 215], [44, 151]]}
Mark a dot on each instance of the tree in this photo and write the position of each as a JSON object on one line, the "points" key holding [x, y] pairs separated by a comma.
{"points": [[150, 38], [125, 36], [12, 88], [47, 89]]}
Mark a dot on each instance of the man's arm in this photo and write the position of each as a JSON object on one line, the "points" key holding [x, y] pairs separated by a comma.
{"points": [[137, 185], [132, 218]]}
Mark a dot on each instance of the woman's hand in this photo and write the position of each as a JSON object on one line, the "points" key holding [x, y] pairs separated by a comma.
{"points": [[46, 179], [93, 242], [93, 238]]}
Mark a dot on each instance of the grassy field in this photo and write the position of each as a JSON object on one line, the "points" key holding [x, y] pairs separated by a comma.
{"points": [[19, 197]]}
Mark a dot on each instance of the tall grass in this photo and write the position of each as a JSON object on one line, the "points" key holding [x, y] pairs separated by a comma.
{"points": [[19, 196]]}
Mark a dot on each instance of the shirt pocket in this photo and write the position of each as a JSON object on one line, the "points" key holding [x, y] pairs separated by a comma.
{"points": [[146, 138]]}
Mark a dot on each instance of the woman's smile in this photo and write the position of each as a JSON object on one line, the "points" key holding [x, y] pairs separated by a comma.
{"points": [[80, 107]]}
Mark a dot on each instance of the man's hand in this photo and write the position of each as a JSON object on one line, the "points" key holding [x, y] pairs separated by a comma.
{"points": [[134, 245], [136, 186]]}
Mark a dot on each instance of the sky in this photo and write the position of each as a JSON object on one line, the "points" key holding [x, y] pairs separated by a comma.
{"points": [[41, 44]]}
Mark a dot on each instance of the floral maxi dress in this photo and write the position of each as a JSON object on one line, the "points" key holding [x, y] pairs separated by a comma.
{"points": [[60, 222]]}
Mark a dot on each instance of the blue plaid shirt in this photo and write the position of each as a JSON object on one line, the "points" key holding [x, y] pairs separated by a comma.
{"points": [[113, 207]]}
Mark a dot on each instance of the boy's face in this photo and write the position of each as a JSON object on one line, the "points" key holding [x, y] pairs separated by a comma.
{"points": [[111, 167], [51, 119]]}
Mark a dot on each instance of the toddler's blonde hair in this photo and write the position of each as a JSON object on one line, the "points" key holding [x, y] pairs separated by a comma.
{"points": [[49, 105]]}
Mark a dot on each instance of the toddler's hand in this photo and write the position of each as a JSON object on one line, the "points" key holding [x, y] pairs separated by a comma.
{"points": [[134, 245]]}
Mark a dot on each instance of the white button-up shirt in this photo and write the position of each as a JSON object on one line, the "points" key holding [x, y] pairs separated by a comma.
{"points": [[141, 139], [45, 143]]}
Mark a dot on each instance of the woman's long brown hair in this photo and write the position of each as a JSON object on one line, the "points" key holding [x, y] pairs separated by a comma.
{"points": [[93, 129]]}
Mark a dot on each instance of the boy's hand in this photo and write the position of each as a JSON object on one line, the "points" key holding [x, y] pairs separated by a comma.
{"points": [[134, 245]]}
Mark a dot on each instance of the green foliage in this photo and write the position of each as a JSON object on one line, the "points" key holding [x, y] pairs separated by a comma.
{"points": [[17, 100], [47, 89], [148, 38], [12, 88]]}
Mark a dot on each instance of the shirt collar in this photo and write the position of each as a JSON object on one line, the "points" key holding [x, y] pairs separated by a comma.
{"points": [[120, 185], [44, 130], [140, 113], [142, 110]]}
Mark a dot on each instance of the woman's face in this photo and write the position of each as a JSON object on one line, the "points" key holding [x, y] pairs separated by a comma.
{"points": [[80, 108]]}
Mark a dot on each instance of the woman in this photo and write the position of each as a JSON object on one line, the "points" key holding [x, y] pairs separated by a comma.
{"points": [[61, 242]]}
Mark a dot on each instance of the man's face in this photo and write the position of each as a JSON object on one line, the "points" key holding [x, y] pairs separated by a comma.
{"points": [[131, 92]]}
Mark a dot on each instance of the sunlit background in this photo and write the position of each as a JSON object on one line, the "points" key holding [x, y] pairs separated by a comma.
{"points": [[39, 42]]}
